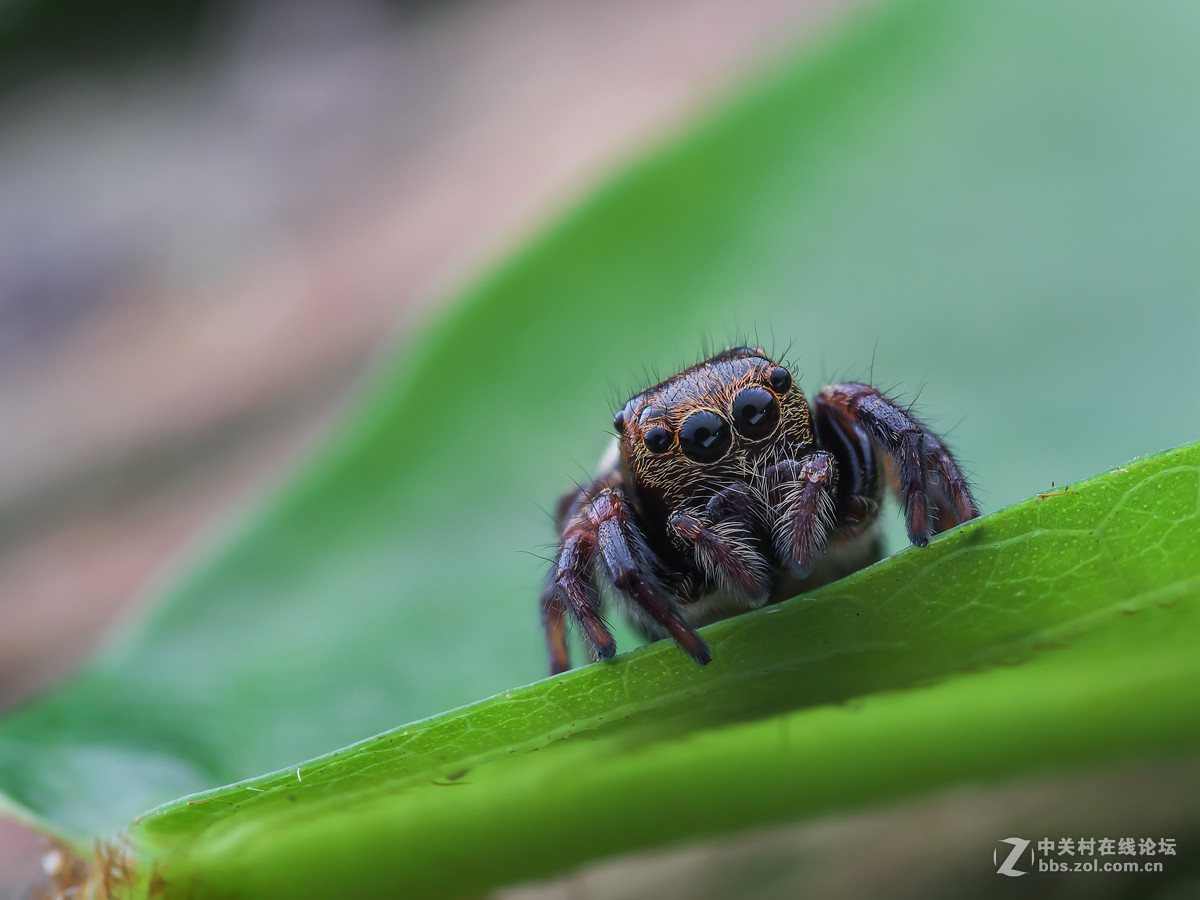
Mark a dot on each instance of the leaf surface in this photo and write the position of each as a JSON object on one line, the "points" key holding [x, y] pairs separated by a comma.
{"points": [[1059, 631]]}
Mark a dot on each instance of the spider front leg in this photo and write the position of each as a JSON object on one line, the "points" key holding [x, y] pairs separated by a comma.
{"points": [[626, 560], [722, 540], [803, 490], [603, 534], [933, 489]]}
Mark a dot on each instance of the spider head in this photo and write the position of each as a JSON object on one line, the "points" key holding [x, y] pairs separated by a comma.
{"points": [[718, 417]]}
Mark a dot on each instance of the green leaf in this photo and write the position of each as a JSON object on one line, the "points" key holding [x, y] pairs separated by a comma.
{"points": [[650, 749], [992, 203]]}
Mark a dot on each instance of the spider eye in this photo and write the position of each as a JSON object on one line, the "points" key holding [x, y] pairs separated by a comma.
{"points": [[619, 422], [781, 379], [657, 439], [704, 436], [755, 412]]}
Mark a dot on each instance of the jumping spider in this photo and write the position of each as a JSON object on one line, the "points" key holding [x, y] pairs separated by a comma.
{"points": [[725, 490]]}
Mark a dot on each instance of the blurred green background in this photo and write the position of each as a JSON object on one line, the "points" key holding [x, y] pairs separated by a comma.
{"points": [[991, 209]]}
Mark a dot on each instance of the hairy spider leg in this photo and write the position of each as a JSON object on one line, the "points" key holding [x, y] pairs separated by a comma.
{"points": [[628, 570], [556, 627], [572, 589], [914, 453], [803, 488], [723, 551], [859, 487]]}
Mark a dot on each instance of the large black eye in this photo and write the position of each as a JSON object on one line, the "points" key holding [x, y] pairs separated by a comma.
{"points": [[704, 436], [781, 379], [755, 412], [657, 439], [619, 422]]}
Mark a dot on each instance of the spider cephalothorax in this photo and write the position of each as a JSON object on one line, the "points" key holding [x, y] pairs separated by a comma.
{"points": [[725, 490]]}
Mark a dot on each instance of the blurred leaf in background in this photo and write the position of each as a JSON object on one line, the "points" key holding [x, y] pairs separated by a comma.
{"points": [[992, 206]]}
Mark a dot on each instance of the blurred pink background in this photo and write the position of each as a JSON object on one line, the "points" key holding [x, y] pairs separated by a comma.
{"points": [[199, 258]]}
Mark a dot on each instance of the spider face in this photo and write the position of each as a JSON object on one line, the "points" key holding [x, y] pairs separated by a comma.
{"points": [[729, 490], [724, 419]]}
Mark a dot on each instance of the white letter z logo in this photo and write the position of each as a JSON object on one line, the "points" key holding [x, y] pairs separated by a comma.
{"points": [[1006, 867]]}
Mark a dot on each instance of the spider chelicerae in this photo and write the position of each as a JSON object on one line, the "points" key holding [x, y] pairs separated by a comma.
{"points": [[725, 490]]}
